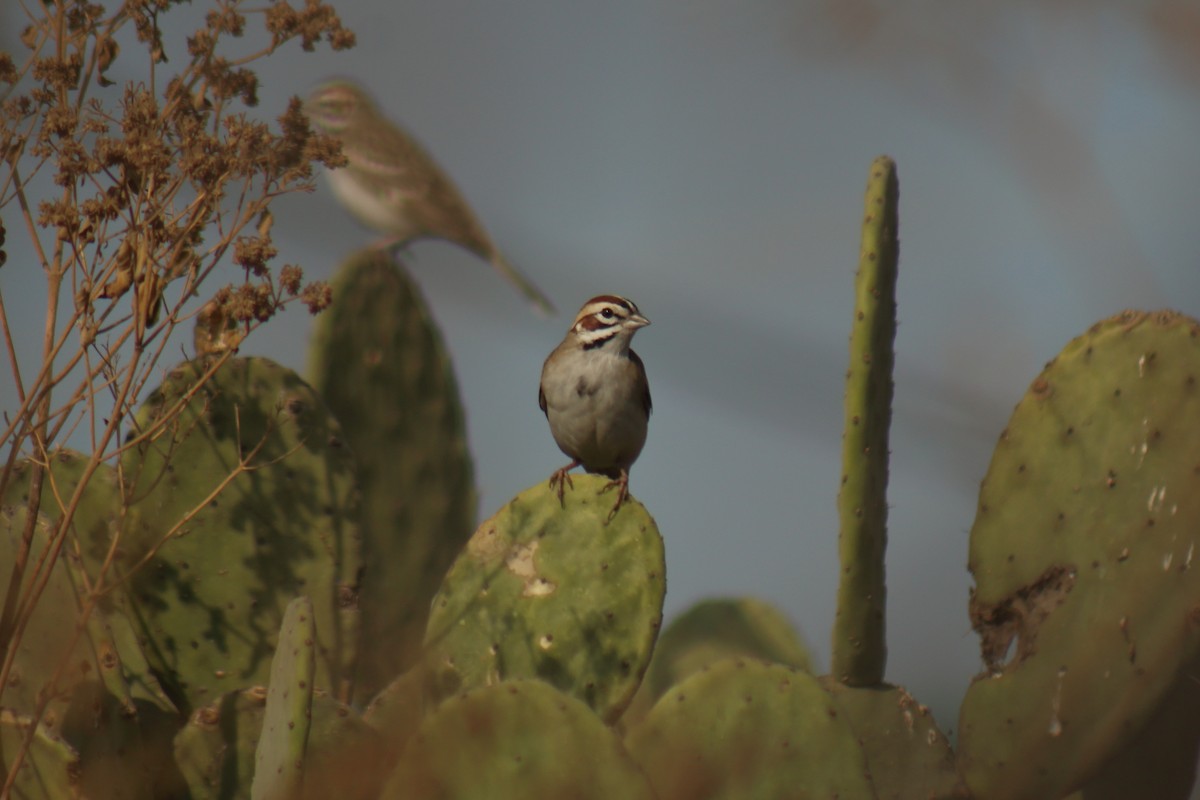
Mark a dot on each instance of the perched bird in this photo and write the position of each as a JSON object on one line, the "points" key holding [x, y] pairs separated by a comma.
{"points": [[595, 394], [392, 185]]}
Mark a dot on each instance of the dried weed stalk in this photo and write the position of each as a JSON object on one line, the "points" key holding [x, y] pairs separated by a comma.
{"points": [[150, 190]]}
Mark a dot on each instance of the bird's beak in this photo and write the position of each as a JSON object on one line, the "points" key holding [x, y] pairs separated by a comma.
{"points": [[637, 321]]}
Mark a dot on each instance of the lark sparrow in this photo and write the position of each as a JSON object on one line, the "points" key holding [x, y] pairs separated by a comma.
{"points": [[392, 185], [595, 394]]}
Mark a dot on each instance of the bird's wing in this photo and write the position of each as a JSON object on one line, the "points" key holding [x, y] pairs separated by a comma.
{"points": [[647, 403], [393, 155]]}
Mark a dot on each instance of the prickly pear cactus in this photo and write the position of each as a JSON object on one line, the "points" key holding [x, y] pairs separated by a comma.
{"points": [[379, 361], [279, 758], [46, 644], [50, 769], [124, 750], [216, 749], [743, 728], [517, 739], [109, 643], [543, 591], [1160, 760], [1084, 552], [907, 756], [107, 705], [238, 503], [95, 516], [396, 712], [859, 648], [713, 630]]}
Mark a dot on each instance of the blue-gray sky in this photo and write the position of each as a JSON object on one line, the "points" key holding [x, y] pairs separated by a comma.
{"points": [[708, 159]]}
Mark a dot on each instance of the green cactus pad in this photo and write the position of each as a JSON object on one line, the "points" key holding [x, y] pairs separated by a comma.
{"points": [[216, 749], [1160, 761], [1084, 552], [50, 769], [397, 711], [859, 646], [95, 515], [744, 728], [46, 642], [279, 758], [907, 756], [713, 630], [124, 751], [107, 705], [555, 593], [111, 645], [520, 739], [211, 596], [379, 361]]}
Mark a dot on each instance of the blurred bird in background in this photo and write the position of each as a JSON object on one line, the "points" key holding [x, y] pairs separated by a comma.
{"points": [[391, 184]]}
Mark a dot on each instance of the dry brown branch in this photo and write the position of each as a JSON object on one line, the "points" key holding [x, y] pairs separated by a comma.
{"points": [[154, 186]]}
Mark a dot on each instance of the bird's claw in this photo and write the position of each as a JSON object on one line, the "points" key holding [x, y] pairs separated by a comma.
{"points": [[561, 477], [621, 484]]}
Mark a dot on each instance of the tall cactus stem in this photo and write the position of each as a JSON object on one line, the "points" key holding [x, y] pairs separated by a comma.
{"points": [[859, 647]]}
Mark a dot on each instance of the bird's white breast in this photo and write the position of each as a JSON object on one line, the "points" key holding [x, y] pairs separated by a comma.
{"points": [[594, 405]]}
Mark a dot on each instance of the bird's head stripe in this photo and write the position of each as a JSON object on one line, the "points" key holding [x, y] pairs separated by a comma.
{"points": [[615, 300], [603, 311]]}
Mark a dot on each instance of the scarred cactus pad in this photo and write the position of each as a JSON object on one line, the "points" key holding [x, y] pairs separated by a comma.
{"points": [[1085, 555], [552, 593]]}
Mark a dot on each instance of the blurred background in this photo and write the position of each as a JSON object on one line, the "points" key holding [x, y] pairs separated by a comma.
{"points": [[707, 159]]}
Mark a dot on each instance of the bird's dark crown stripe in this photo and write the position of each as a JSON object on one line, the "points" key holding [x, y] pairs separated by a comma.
{"points": [[615, 300]]}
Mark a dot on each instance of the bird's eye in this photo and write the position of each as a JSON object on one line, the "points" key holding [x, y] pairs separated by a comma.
{"points": [[607, 313]]}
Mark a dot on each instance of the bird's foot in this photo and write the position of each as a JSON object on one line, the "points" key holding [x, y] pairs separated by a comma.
{"points": [[621, 484], [560, 478]]}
